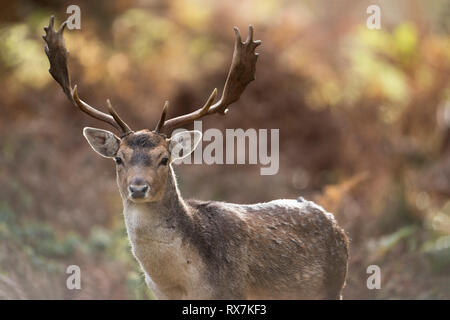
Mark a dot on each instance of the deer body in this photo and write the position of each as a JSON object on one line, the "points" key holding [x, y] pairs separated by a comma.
{"points": [[283, 249]]}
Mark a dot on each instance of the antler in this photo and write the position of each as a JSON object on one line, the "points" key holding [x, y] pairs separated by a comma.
{"points": [[56, 51], [242, 72]]}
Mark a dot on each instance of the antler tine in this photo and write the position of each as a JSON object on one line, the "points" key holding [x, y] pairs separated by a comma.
{"points": [[241, 73], [163, 117], [125, 128], [57, 55], [83, 106], [187, 118]]}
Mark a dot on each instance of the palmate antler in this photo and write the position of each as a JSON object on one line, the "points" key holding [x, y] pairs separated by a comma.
{"points": [[242, 72], [57, 55]]}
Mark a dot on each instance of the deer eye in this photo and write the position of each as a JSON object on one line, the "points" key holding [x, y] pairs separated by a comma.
{"points": [[118, 160], [164, 161]]}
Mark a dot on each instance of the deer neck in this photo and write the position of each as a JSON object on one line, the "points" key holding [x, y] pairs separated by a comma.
{"points": [[156, 221]]}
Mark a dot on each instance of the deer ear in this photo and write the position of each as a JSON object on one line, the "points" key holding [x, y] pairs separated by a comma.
{"points": [[183, 143], [103, 142]]}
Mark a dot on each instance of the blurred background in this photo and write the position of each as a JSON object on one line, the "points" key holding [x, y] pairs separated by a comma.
{"points": [[364, 118]]}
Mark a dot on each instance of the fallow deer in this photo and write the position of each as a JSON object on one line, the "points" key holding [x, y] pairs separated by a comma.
{"points": [[190, 249]]}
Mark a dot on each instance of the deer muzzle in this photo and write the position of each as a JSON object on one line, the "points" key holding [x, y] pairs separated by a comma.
{"points": [[138, 189]]}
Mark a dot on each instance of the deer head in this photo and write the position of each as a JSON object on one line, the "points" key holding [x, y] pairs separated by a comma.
{"points": [[143, 157]]}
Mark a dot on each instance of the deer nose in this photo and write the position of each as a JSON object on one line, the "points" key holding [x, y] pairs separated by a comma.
{"points": [[138, 189], [134, 188]]}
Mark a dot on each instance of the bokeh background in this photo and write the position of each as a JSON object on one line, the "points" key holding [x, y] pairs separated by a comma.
{"points": [[364, 118]]}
